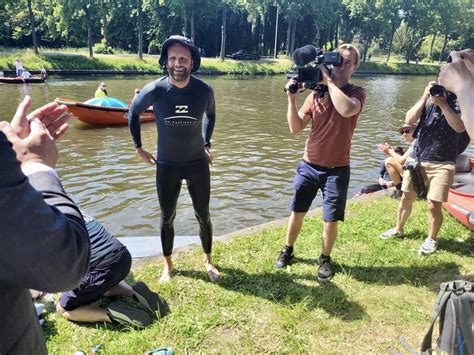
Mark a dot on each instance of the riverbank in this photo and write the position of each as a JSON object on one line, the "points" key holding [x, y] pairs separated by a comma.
{"points": [[381, 289], [57, 63]]}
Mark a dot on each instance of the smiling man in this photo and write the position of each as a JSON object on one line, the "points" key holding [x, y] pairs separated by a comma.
{"points": [[325, 164], [185, 114]]}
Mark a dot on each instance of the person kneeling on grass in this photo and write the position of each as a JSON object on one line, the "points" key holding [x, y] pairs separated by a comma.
{"points": [[110, 263]]}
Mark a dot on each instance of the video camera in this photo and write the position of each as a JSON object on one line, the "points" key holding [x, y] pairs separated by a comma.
{"points": [[306, 61]]}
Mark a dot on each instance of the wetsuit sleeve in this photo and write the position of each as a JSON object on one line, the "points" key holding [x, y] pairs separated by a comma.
{"points": [[140, 104], [209, 119]]}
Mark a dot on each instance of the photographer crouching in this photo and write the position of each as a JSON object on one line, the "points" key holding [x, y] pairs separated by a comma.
{"points": [[333, 109], [440, 138]]}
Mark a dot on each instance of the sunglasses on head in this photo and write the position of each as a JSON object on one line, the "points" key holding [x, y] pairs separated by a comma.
{"points": [[405, 131]]}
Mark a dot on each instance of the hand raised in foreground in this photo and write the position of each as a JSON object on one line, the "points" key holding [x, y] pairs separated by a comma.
{"points": [[52, 115]]}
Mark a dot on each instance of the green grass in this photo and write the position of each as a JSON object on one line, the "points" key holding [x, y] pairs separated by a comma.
{"points": [[73, 59], [381, 289]]}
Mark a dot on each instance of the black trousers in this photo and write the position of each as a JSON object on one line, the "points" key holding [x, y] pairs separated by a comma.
{"points": [[168, 184]]}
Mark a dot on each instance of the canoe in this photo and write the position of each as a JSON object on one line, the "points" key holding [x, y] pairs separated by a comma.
{"points": [[7, 80], [460, 202], [102, 115]]}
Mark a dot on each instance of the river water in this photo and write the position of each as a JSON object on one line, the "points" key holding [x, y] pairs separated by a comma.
{"points": [[254, 153]]}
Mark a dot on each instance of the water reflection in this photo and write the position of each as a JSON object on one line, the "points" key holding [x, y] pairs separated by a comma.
{"points": [[255, 155]]}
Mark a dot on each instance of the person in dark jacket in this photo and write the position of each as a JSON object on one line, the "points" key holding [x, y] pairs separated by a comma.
{"points": [[43, 239]]}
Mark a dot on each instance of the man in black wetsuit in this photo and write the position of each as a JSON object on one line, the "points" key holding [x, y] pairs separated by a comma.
{"points": [[185, 114]]}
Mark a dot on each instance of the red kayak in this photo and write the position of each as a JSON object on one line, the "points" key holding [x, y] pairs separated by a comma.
{"points": [[460, 202]]}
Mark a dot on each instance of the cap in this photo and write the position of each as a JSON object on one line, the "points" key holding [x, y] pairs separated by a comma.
{"points": [[186, 42]]}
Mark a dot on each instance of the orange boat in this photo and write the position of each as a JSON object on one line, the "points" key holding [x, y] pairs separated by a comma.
{"points": [[102, 115], [460, 202]]}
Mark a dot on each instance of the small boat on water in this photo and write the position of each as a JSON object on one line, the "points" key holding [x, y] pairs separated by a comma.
{"points": [[460, 202], [32, 80], [103, 111]]}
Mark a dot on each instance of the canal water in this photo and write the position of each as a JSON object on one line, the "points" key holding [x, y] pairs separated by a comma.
{"points": [[254, 153]]}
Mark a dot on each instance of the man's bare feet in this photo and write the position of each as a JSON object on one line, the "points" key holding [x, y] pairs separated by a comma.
{"points": [[166, 275], [212, 272]]}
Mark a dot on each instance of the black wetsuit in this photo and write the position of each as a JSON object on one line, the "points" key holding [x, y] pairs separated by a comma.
{"points": [[185, 121]]}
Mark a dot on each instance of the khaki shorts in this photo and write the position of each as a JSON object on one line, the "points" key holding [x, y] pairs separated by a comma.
{"points": [[438, 179]]}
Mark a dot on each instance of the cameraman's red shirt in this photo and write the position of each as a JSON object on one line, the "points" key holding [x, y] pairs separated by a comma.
{"points": [[329, 141]]}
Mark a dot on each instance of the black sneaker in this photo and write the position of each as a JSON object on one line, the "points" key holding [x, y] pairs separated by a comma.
{"points": [[325, 270], [285, 258]]}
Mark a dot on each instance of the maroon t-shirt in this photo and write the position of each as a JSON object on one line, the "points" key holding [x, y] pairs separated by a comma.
{"points": [[329, 141]]}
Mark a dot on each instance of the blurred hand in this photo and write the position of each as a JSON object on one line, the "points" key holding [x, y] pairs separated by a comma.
{"points": [[291, 82], [384, 148], [426, 93], [439, 100], [37, 147], [459, 74], [52, 115], [209, 156], [146, 156]]}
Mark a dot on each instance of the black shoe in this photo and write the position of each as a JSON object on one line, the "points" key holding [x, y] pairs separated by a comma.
{"points": [[285, 258], [325, 270]]}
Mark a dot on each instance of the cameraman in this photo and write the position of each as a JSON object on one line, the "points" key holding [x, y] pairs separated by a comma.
{"points": [[438, 136], [325, 163]]}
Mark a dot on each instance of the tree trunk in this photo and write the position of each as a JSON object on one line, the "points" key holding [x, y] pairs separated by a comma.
{"points": [[366, 49], [89, 29], [392, 33], [33, 26], [410, 46], [192, 26], [223, 32], [276, 34], [430, 55], [445, 42], [336, 35], [293, 36], [288, 38], [185, 25], [140, 28], [105, 30]]}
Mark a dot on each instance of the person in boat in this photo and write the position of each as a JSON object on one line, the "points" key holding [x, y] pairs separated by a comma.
{"points": [[394, 162], [2, 74], [458, 77], [101, 90], [44, 74], [135, 93], [18, 67], [43, 239], [185, 112], [325, 164], [437, 145], [25, 75], [385, 179], [110, 263]]}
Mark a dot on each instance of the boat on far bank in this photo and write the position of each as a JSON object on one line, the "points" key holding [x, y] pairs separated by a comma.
{"points": [[102, 115], [32, 80]]}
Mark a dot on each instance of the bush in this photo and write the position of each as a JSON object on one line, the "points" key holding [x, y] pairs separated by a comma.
{"points": [[102, 48], [154, 47]]}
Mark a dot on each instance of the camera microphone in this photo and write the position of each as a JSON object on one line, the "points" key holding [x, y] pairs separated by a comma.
{"points": [[304, 55]]}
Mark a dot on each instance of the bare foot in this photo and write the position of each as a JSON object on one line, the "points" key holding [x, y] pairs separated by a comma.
{"points": [[166, 275], [212, 272]]}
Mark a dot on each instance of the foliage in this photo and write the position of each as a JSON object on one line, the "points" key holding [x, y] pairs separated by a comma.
{"points": [[251, 24], [382, 289]]}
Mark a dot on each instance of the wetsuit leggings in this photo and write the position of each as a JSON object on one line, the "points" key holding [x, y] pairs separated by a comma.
{"points": [[168, 184]]}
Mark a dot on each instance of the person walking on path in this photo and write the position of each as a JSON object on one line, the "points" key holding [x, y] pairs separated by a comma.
{"points": [[185, 114], [325, 164]]}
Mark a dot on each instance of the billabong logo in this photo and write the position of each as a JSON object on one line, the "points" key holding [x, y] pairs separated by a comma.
{"points": [[181, 108]]}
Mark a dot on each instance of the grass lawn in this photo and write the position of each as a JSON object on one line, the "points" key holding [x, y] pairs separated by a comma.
{"points": [[381, 289]]}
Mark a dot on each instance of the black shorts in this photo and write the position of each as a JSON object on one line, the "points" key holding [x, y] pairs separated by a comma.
{"points": [[112, 269]]}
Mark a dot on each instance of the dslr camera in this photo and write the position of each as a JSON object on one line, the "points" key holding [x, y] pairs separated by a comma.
{"points": [[440, 90], [414, 167], [307, 61]]}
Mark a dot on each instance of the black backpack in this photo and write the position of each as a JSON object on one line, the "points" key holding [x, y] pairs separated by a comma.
{"points": [[455, 308]]}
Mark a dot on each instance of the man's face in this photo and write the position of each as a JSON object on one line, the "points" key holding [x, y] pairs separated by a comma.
{"points": [[179, 62], [347, 67]]}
